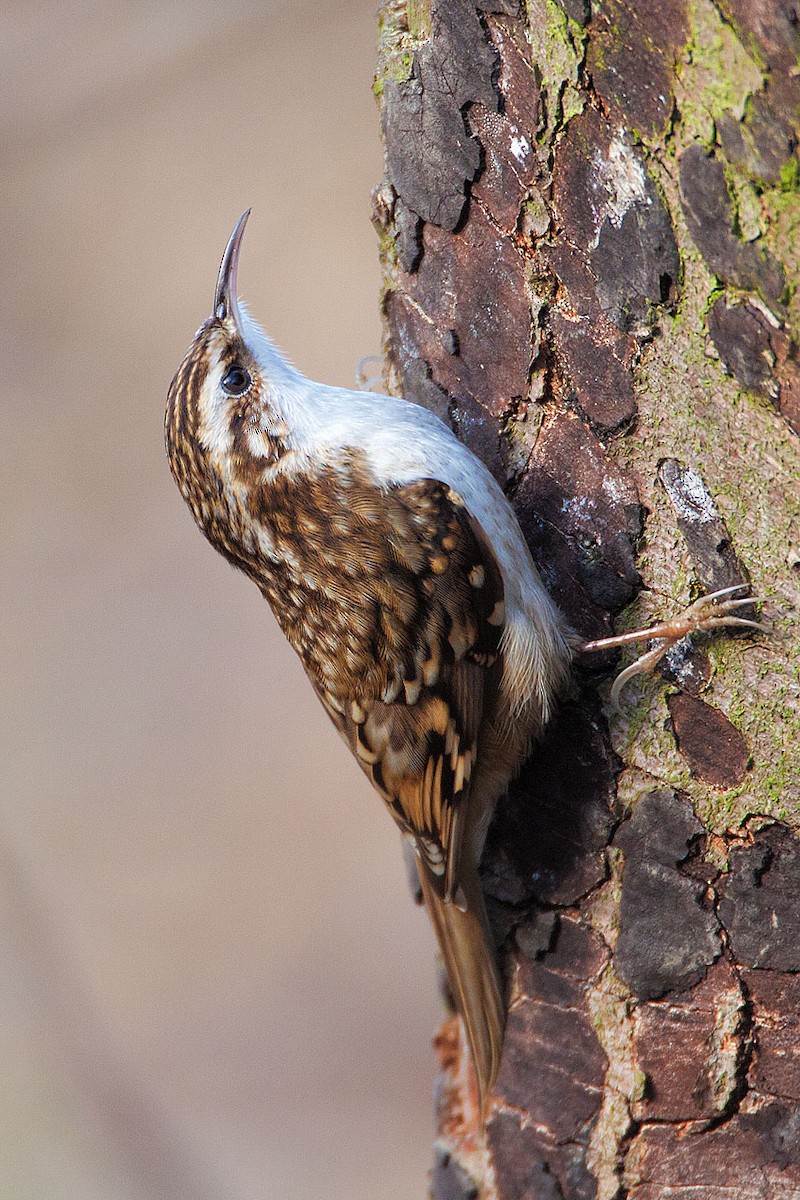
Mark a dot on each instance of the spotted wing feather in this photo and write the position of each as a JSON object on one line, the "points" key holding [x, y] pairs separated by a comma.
{"points": [[417, 736]]}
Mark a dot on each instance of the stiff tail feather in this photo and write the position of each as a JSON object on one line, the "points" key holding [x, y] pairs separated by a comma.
{"points": [[466, 945]]}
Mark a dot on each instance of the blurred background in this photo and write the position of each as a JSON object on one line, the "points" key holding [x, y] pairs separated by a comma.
{"points": [[213, 982]]}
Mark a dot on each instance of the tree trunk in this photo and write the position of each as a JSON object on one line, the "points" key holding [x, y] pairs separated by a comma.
{"points": [[589, 230]]}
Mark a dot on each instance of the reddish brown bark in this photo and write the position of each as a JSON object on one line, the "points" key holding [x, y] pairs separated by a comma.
{"points": [[589, 228]]}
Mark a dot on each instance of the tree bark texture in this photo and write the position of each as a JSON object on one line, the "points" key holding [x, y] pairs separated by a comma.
{"points": [[589, 228]]}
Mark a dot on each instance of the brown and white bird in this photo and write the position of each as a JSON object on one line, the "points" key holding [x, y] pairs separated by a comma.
{"points": [[396, 568]]}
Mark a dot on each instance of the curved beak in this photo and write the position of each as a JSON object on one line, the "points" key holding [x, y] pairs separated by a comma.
{"points": [[226, 303]]}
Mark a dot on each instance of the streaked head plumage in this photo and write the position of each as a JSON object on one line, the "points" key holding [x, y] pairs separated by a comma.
{"points": [[222, 411]]}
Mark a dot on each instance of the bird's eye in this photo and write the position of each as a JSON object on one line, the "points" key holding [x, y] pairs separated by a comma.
{"points": [[236, 381]]}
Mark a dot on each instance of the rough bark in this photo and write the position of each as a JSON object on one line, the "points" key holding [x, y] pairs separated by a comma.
{"points": [[589, 225]]}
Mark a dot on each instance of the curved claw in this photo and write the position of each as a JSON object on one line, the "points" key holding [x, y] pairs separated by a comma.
{"points": [[726, 591], [741, 622], [713, 611], [640, 666], [712, 607]]}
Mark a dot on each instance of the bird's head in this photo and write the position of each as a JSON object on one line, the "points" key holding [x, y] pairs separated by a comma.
{"points": [[224, 424]]}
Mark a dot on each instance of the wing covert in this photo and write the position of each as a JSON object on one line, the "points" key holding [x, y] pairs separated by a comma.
{"points": [[417, 735]]}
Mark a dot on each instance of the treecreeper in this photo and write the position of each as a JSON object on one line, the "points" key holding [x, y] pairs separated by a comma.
{"points": [[397, 570]]}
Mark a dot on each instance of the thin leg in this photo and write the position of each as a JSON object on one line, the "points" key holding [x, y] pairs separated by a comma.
{"points": [[709, 612]]}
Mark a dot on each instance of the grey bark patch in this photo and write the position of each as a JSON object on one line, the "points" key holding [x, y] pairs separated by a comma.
{"points": [[419, 387], [761, 143], [565, 1090], [511, 162], [678, 1048], [505, 8], [761, 901], [771, 26], [430, 156], [666, 939], [704, 531], [688, 666], [714, 748], [778, 1130], [473, 425], [599, 177], [711, 219], [760, 353], [742, 336], [536, 937], [578, 11], [408, 236], [480, 432], [617, 257], [636, 263]]}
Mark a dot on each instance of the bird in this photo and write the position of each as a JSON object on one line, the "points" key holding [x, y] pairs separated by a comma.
{"points": [[398, 572]]}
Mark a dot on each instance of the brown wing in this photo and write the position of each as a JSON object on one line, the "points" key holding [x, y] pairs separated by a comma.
{"points": [[417, 737]]}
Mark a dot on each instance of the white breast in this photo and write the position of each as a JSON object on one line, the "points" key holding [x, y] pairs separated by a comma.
{"points": [[404, 442]]}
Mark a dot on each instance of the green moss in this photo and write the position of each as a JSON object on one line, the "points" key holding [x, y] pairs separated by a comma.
{"points": [[519, 431], [400, 65], [558, 48], [400, 29], [639, 1084], [782, 207], [750, 223], [388, 257], [572, 103], [717, 75], [790, 175], [691, 410], [419, 19], [535, 214]]}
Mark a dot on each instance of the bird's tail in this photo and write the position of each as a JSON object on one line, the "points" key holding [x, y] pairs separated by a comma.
{"points": [[466, 945]]}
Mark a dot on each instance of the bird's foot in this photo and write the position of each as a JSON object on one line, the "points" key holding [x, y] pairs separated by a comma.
{"points": [[714, 611]]}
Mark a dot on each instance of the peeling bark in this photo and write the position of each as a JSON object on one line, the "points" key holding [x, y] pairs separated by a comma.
{"points": [[589, 228]]}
